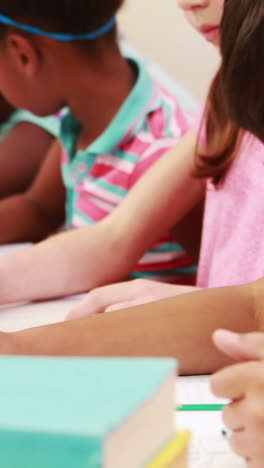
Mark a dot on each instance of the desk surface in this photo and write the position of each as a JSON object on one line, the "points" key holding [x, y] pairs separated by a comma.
{"points": [[209, 448], [21, 316]]}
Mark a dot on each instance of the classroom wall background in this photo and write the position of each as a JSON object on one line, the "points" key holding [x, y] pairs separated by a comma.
{"points": [[160, 30]]}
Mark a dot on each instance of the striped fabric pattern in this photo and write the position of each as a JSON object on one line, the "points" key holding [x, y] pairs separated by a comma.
{"points": [[148, 124]]}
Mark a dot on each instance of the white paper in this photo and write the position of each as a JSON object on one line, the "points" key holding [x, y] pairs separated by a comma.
{"points": [[21, 316], [196, 391], [12, 248], [209, 448]]}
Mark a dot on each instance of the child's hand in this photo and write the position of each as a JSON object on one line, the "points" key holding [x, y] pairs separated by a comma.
{"points": [[125, 295], [246, 347], [244, 385]]}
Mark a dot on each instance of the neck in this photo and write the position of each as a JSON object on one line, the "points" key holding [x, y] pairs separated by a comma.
{"points": [[95, 91]]}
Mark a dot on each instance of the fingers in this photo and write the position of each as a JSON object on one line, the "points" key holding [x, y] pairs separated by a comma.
{"points": [[121, 305], [239, 442], [245, 347], [146, 299], [80, 311], [249, 445], [128, 304], [234, 415], [245, 419], [255, 463], [234, 381], [94, 303], [99, 299], [77, 313], [244, 416], [121, 296]]}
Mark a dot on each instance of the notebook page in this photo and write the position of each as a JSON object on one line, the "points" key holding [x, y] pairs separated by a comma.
{"points": [[209, 449], [196, 391], [18, 317]]}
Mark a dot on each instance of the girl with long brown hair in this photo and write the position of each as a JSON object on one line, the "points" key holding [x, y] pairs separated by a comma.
{"points": [[224, 160], [232, 250], [182, 326], [219, 159]]}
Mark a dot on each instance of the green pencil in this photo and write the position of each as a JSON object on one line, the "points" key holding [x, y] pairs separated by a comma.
{"points": [[213, 407]]}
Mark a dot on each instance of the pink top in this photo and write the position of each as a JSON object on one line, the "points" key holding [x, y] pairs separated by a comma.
{"points": [[233, 235]]}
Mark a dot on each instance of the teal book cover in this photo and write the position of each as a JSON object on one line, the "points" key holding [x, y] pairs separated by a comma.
{"points": [[58, 412]]}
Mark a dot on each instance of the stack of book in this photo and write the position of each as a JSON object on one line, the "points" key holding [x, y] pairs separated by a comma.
{"points": [[89, 413]]}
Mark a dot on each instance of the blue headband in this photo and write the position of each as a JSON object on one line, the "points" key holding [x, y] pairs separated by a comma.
{"points": [[59, 36]]}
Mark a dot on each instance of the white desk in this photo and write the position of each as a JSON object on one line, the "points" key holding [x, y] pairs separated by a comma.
{"points": [[20, 317], [209, 448]]}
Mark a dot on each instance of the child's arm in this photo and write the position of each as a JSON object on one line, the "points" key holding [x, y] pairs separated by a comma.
{"points": [[181, 327], [244, 385], [127, 294], [22, 151], [163, 197], [108, 251], [40, 210]]}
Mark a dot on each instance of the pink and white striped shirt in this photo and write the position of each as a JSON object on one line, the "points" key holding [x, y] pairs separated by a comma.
{"points": [[149, 123]]}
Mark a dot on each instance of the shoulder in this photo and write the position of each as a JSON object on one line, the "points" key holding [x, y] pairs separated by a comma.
{"points": [[161, 111]]}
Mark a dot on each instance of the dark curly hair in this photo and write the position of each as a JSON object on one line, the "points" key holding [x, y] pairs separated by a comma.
{"points": [[63, 16]]}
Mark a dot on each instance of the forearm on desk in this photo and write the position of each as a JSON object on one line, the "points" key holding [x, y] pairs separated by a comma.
{"points": [[181, 327], [72, 263], [81, 260], [65, 264]]}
